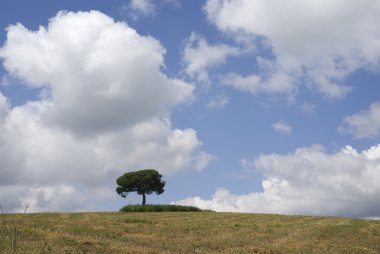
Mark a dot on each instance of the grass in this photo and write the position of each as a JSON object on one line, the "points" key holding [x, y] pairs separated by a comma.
{"points": [[192, 232], [10, 230], [159, 208]]}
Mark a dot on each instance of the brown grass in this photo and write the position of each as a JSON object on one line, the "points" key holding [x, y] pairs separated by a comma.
{"points": [[199, 232]]}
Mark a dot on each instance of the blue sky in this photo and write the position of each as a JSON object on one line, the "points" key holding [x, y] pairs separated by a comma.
{"points": [[244, 106]]}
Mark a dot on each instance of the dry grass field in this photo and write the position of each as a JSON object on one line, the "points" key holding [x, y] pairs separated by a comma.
{"points": [[191, 232]]}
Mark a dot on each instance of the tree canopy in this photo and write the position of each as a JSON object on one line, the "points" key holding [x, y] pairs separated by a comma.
{"points": [[143, 182]]}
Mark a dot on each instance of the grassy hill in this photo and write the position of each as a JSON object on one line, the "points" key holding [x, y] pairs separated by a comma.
{"points": [[190, 232]]}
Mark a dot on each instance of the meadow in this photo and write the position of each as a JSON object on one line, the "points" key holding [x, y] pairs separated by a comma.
{"points": [[186, 232]]}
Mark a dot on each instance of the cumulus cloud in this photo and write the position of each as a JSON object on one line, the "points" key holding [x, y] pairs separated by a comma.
{"points": [[365, 124], [199, 56], [4, 107], [87, 56], [104, 108], [282, 128], [309, 181], [317, 42]]}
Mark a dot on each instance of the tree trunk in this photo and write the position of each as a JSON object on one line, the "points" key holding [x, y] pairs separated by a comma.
{"points": [[144, 199]]}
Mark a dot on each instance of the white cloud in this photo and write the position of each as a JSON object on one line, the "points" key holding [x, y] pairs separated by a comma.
{"points": [[53, 198], [271, 80], [202, 160], [4, 107], [100, 115], [100, 57], [365, 124], [282, 128], [309, 181], [142, 7], [219, 101], [320, 42], [199, 56]]}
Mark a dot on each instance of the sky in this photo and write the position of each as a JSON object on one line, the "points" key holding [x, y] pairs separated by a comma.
{"points": [[242, 105]]}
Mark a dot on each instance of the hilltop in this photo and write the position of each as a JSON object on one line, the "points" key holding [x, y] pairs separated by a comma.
{"points": [[190, 232]]}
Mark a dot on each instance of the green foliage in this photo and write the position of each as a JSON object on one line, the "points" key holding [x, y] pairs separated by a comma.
{"points": [[138, 221], [159, 208], [143, 182]]}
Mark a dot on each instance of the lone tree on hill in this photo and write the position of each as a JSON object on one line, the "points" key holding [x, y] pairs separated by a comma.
{"points": [[143, 182]]}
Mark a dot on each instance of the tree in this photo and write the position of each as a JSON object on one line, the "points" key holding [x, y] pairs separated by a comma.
{"points": [[143, 182]]}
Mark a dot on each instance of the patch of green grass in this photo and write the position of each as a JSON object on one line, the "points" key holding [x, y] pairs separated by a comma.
{"points": [[136, 220], [159, 208], [192, 232]]}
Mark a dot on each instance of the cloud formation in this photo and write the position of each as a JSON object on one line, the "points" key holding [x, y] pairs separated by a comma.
{"points": [[219, 101], [145, 8], [365, 124], [199, 56], [87, 56], [104, 108], [282, 128], [319, 43], [309, 181], [142, 7]]}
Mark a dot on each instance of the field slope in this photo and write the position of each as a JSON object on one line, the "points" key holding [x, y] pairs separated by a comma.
{"points": [[192, 232]]}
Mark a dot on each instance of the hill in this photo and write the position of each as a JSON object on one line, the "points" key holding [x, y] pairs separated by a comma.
{"points": [[190, 232]]}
